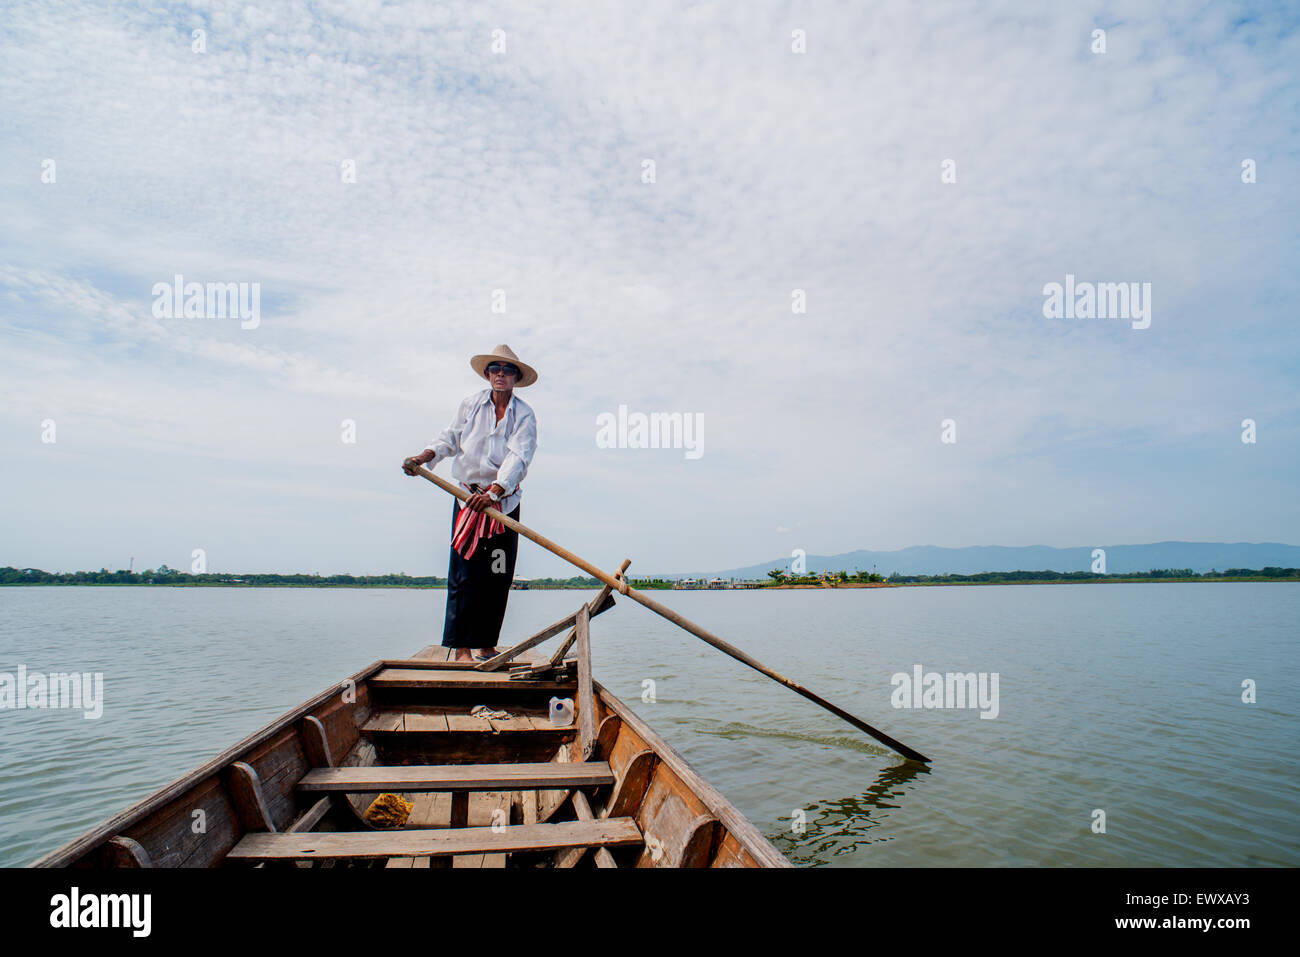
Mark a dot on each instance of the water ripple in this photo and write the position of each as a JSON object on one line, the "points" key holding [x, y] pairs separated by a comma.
{"points": [[1124, 699]]}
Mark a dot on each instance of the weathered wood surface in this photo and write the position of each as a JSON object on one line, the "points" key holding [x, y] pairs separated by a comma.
{"points": [[428, 809], [486, 809], [586, 706], [417, 678], [246, 793], [163, 822], [606, 735], [352, 806], [545, 671], [703, 834], [459, 809], [613, 832], [668, 817], [458, 777], [730, 853], [414, 721], [756, 845], [527, 659], [598, 604], [437, 653], [633, 779], [124, 852], [385, 721], [550, 631], [534, 667], [570, 856], [583, 809], [550, 801], [312, 816], [514, 722], [316, 742]]}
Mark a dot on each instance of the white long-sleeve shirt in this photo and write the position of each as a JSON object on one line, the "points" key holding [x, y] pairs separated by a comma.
{"points": [[486, 450]]}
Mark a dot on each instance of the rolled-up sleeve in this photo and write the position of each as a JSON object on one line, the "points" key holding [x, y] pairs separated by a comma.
{"points": [[520, 447], [447, 445]]}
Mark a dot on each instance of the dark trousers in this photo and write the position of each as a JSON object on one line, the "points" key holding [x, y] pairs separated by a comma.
{"points": [[477, 595]]}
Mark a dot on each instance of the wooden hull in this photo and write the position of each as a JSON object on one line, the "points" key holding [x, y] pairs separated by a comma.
{"points": [[512, 791]]}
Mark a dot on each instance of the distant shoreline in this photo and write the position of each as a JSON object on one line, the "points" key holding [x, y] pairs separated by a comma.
{"points": [[1049, 581], [172, 578], [595, 584]]}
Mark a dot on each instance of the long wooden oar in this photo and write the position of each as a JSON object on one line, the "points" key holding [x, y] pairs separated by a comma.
{"points": [[622, 587]]}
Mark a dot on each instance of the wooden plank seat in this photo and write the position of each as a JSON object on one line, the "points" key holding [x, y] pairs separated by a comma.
{"points": [[260, 846], [459, 777], [425, 678], [390, 721]]}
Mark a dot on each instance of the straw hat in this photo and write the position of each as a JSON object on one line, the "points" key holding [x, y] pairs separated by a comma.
{"points": [[503, 353]]}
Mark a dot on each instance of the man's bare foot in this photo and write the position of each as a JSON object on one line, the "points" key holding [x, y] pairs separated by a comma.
{"points": [[463, 654], [486, 652]]}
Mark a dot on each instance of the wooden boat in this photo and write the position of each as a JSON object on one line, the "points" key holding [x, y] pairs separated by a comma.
{"points": [[514, 791]]}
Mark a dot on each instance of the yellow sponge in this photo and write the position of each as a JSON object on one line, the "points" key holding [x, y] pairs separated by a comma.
{"points": [[388, 810]]}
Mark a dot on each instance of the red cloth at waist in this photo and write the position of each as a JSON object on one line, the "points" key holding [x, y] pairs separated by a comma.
{"points": [[471, 528]]}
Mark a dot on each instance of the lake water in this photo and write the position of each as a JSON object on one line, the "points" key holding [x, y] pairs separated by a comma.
{"points": [[1120, 698]]}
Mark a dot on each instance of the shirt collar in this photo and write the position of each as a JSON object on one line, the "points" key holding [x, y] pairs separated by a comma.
{"points": [[485, 398]]}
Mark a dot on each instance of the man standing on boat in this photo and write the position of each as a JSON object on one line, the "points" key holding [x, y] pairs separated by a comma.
{"points": [[492, 438]]}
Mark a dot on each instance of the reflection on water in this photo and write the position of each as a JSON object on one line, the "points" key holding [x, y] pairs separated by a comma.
{"points": [[734, 729], [838, 827]]}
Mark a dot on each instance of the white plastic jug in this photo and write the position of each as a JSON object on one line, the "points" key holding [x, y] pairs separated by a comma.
{"points": [[561, 712]]}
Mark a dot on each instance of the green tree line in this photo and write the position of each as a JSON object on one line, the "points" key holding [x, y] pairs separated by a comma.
{"points": [[170, 576]]}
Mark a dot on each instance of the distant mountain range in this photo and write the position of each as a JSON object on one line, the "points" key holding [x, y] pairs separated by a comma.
{"points": [[1120, 559]]}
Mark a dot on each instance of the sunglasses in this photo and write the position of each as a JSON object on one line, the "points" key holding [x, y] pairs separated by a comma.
{"points": [[496, 367]]}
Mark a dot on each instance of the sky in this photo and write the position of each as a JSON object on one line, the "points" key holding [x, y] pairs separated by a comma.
{"points": [[638, 198]]}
